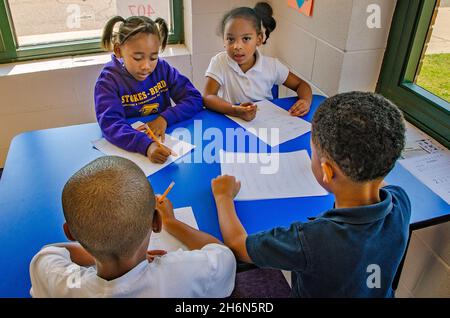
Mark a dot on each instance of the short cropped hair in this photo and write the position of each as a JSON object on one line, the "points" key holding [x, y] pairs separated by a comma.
{"points": [[109, 205], [363, 133]]}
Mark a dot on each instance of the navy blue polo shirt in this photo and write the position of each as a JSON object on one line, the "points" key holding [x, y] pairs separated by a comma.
{"points": [[352, 252]]}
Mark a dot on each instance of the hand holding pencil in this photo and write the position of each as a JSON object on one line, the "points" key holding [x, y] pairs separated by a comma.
{"points": [[158, 153], [164, 206], [152, 135], [245, 111], [158, 126]]}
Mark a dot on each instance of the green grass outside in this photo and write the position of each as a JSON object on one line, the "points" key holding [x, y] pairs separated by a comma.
{"points": [[435, 75]]}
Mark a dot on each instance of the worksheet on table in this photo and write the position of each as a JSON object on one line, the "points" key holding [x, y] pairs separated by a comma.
{"points": [[288, 175], [433, 170], [180, 147], [273, 124], [165, 241]]}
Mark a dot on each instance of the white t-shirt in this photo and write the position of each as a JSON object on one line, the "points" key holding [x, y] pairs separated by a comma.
{"points": [[254, 85], [209, 272]]}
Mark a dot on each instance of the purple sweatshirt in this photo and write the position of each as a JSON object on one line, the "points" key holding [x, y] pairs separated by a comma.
{"points": [[118, 95]]}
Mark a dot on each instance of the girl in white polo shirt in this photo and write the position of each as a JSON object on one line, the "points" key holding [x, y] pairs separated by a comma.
{"points": [[242, 75]]}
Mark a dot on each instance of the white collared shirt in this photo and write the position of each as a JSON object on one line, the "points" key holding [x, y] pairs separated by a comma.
{"points": [[254, 85], [208, 272]]}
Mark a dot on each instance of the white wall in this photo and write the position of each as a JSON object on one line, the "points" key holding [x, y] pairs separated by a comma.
{"points": [[334, 49]]}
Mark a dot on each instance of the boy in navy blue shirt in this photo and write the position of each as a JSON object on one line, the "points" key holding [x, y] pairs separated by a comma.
{"points": [[354, 249]]}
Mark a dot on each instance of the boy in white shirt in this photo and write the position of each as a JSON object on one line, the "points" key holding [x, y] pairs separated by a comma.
{"points": [[111, 210], [241, 75]]}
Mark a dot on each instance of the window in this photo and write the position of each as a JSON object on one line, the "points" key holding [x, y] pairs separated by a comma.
{"points": [[41, 29], [415, 71]]}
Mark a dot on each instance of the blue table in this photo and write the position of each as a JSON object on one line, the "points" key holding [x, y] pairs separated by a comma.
{"points": [[40, 162]]}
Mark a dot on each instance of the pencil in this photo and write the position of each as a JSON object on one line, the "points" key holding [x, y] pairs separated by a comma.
{"points": [[152, 135], [161, 199], [155, 139], [257, 109]]}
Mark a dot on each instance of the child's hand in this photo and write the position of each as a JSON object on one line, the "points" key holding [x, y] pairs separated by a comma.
{"points": [[225, 186], [158, 126], [246, 111], [154, 253], [165, 209], [158, 154], [300, 108]]}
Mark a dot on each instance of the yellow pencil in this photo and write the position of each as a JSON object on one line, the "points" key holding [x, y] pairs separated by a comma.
{"points": [[152, 135], [161, 199], [257, 109], [155, 139]]}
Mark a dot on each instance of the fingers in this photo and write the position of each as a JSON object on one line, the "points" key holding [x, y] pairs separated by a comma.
{"points": [[224, 178], [300, 108], [164, 207], [164, 150], [295, 112], [253, 111], [159, 153], [248, 104], [158, 202], [304, 112], [158, 158], [248, 113], [165, 201], [151, 255], [158, 127], [251, 108], [251, 116], [160, 133], [156, 252], [238, 186]]}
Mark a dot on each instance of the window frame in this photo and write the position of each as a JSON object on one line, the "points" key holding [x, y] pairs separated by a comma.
{"points": [[9, 52], [409, 31]]}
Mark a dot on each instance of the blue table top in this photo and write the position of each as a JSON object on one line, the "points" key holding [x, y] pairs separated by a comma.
{"points": [[40, 162]]}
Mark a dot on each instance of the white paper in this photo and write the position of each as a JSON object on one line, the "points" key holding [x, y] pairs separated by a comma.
{"points": [[419, 143], [292, 178], [165, 241], [180, 147], [433, 170], [270, 117]]}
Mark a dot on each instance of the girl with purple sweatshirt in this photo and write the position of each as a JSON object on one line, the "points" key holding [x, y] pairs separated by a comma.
{"points": [[137, 83]]}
